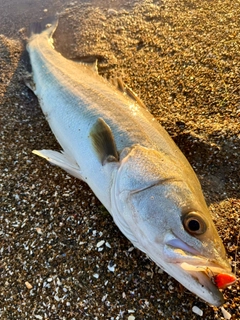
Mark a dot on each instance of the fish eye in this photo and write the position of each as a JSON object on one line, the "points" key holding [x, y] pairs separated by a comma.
{"points": [[194, 223]]}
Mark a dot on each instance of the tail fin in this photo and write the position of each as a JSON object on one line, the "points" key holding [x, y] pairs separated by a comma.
{"points": [[47, 26]]}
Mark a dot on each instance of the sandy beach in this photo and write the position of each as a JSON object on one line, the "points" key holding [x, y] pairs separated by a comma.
{"points": [[62, 256]]}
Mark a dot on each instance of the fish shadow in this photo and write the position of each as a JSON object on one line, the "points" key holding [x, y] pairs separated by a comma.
{"points": [[216, 164]]}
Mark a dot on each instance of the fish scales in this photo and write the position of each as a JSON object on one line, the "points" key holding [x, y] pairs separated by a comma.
{"points": [[83, 89], [113, 143]]}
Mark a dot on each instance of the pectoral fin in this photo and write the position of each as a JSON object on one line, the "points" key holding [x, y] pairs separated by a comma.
{"points": [[103, 142], [62, 160]]}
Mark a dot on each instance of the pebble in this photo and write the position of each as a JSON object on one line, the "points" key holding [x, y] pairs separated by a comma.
{"points": [[107, 244], [28, 285], [225, 313], [100, 243], [111, 266], [39, 230], [198, 311]]}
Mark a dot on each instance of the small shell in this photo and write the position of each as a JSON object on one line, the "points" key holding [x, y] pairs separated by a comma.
{"points": [[225, 313], [28, 285], [198, 311]]}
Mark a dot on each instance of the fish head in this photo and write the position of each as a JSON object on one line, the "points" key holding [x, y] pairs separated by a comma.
{"points": [[158, 205]]}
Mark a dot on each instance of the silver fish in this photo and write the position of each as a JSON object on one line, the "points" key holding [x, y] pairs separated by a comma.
{"points": [[111, 141]]}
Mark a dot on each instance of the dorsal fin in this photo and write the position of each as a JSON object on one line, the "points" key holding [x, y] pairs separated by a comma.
{"points": [[120, 85], [93, 66], [103, 142]]}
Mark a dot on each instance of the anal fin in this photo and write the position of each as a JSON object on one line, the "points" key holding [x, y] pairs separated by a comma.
{"points": [[62, 160]]}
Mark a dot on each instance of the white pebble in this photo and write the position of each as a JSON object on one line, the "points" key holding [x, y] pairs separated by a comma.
{"points": [[107, 244], [104, 297], [16, 196], [38, 317], [96, 275], [198, 311], [100, 243], [131, 311], [111, 267], [131, 317], [225, 313]]}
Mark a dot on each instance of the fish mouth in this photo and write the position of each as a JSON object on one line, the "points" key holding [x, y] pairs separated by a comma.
{"points": [[211, 275], [218, 276]]}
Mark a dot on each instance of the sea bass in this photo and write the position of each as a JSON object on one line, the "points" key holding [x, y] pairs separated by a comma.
{"points": [[111, 141]]}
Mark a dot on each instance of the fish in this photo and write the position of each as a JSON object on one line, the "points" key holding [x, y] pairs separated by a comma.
{"points": [[111, 141]]}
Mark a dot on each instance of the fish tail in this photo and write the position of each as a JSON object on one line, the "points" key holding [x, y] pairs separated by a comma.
{"points": [[48, 26]]}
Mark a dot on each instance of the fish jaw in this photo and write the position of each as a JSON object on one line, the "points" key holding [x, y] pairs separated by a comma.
{"points": [[211, 274], [198, 282], [196, 273]]}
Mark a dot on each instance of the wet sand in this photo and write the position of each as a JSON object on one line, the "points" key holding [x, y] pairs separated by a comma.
{"points": [[62, 257]]}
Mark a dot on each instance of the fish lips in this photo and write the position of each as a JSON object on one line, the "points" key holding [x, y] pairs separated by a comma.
{"points": [[203, 271]]}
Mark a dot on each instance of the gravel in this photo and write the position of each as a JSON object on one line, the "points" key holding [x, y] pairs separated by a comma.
{"points": [[62, 257]]}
